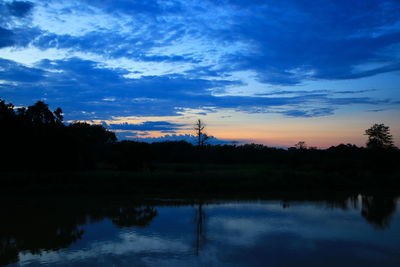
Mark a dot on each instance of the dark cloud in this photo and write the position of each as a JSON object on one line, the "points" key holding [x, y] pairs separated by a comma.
{"points": [[86, 90], [14, 72], [358, 100], [356, 91], [313, 92], [138, 7], [6, 37], [181, 137], [361, 74], [113, 44], [163, 126], [296, 41], [317, 112], [290, 41], [15, 28], [20, 8], [377, 110]]}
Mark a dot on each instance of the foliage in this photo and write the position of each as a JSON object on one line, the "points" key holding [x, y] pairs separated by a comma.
{"points": [[36, 139], [301, 145], [379, 137]]}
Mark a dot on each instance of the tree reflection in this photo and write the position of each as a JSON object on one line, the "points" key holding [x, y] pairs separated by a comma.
{"points": [[133, 216], [47, 226], [200, 231], [378, 210]]}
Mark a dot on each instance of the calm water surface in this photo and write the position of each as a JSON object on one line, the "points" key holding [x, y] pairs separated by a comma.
{"points": [[350, 230]]}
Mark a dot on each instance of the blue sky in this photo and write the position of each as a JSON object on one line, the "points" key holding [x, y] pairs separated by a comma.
{"points": [[293, 66]]}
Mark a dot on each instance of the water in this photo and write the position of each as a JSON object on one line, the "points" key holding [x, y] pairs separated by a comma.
{"points": [[351, 230]]}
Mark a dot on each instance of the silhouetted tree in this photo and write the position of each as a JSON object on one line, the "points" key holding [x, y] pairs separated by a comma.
{"points": [[379, 137], [39, 114], [199, 132], [59, 116], [131, 155], [88, 143], [6, 111], [92, 133], [301, 145]]}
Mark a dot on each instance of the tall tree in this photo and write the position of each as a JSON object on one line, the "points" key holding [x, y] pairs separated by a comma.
{"points": [[40, 114], [202, 137], [379, 136]]}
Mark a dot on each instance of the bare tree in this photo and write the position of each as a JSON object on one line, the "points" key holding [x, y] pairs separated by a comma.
{"points": [[202, 137]]}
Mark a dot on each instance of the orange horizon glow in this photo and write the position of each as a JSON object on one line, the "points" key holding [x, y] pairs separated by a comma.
{"points": [[272, 130]]}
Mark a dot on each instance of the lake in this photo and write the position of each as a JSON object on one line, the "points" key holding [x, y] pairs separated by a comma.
{"points": [[309, 230]]}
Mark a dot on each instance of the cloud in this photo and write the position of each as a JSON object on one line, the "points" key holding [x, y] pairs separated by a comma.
{"points": [[86, 89], [141, 7], [356, 91], [285, 42], [146, 126], [125, 244], [318, 112], [20, 8], [377, 110], [311, 92], [289, 46], [6, 37], [15, 24], [183, 137], [12, 71]]}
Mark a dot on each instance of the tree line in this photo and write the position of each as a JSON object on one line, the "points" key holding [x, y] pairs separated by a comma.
{"points": [[36, 139]]}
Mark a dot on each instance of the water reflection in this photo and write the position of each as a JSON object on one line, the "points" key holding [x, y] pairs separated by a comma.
{"points": [[378, 210], [200, 232], [125, 231], [40, 225]]}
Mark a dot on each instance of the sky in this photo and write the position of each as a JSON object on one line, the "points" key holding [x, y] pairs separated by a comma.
{"points": [[273, 72]]}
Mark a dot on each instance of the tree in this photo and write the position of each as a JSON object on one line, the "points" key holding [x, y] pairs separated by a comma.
{"points": [[202, 137], [6, 111], [40, 114], [301, 145], [59, 115], [379, 137], [92, 134]]}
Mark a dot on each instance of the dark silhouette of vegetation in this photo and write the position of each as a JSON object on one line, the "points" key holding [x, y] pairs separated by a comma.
{"points": [[301, 145], [38, 225], [202, 137], [42, 154], [36, 140], [379, 137], [378, 210]]}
